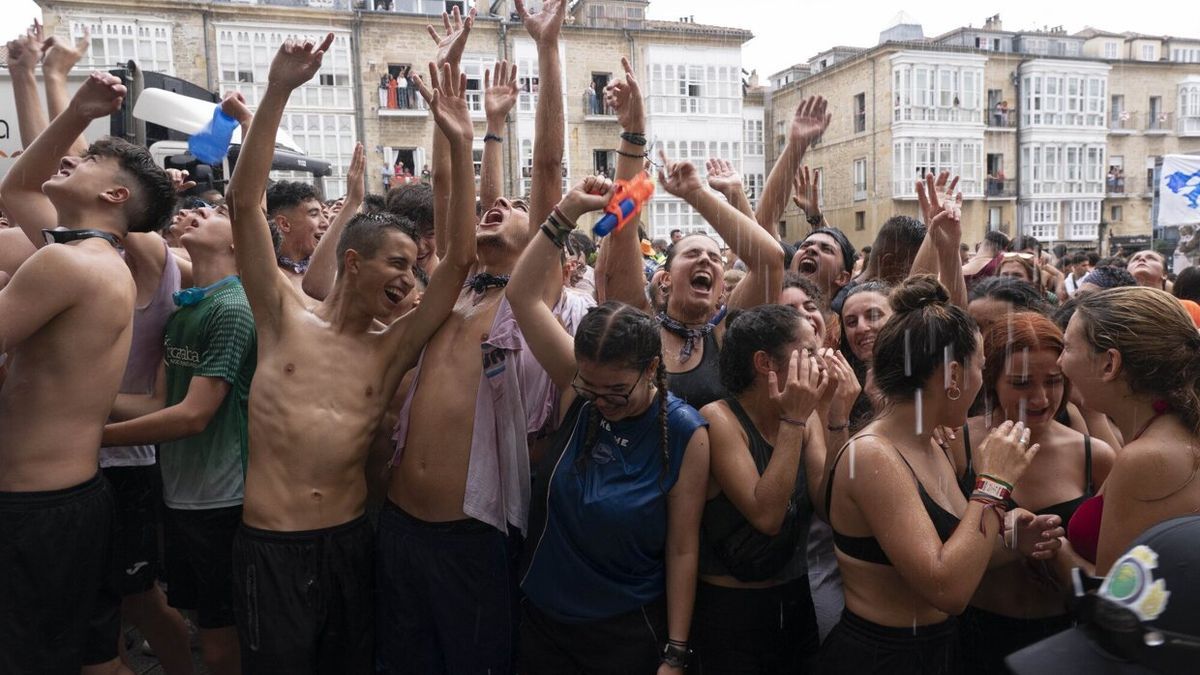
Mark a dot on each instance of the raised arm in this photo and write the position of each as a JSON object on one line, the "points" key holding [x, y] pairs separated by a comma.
{"points": [[726, 180], [499, 97], [21, 191], [294, 64], [926, 260], [806, 195], [751, 243], [60, 57], [551, 344], [446, 95], [548, 139], [322, 267], [944, 216], [450, 50], [619, 272], [809, 122], [23, 55]]}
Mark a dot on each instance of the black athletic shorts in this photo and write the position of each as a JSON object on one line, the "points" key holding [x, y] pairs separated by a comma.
{"points": [[198, 553], [988, 637], [768, 631], [447, 596], [856, 646], [137, 491], [629, 643], [59, 609], [305, 601]]}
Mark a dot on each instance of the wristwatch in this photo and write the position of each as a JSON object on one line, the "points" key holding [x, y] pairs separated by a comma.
{"points": [[676, 655]]}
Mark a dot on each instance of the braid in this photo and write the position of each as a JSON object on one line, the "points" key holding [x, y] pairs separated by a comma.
{"points": [[660, 381]]}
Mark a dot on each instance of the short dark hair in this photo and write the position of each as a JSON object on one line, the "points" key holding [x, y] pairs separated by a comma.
{"points": [[579, 243], [1109, 276], [1026, 241], [1079, 257], [848, 253], [365, 231], [414, 203], [925, 332], [374, 203], [997, 239], [151, 200], [1187, 285], [672, 233], [1020, 293], [288, 193], [764, 328], [810, 288], [1093, 258], [900, 237]]}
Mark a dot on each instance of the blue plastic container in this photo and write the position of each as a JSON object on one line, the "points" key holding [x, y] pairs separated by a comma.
{"points": [[211, 144]]}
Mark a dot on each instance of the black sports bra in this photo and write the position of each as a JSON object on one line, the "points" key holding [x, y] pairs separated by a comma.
{"points": [[867, 548], [1063, 510]]}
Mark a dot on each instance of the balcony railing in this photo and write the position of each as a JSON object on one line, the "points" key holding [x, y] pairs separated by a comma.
{"points": [[1189, 126], [1002, 119], [1000, 187], [595, 106], [406, 101], [1159, 122], [1114, 185], [1123, 122]]}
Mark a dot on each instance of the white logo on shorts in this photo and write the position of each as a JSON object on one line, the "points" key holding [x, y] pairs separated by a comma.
{"points": [[136, 566]]}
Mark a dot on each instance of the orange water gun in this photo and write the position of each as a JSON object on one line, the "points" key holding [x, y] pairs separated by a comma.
{"points": [[626, 203]]}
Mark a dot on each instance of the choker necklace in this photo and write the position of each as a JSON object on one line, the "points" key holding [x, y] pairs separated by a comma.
{"points": [[192, 296], [480, 283], [67, 236], [691, 336], [296, 266]]}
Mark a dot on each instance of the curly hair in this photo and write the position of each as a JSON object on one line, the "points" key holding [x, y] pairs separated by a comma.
{"points": [[287, 193]]}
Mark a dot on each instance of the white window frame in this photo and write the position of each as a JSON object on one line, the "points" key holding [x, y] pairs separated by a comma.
{"points": [[860, 179], [1110, 50], [915, 157], [119, 39]]}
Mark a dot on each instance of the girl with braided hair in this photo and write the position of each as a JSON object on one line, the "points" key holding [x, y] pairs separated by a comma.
{"points": [[609, 569]]}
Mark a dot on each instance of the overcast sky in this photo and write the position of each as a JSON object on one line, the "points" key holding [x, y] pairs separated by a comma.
{"points": [[792, 31]]}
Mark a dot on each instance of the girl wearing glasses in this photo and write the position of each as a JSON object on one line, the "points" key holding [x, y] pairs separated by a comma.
{"points": [[610, 560]]}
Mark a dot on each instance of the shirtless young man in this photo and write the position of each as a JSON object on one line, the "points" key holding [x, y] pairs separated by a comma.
{"points": [[65, 321], [460, 481], [296, 211], [303, 558]]}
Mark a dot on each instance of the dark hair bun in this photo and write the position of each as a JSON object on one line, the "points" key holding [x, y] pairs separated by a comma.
{"points": [[918, 292]]}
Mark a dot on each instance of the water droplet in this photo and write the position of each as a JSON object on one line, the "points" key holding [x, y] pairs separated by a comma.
{"points": [[918, 399]]}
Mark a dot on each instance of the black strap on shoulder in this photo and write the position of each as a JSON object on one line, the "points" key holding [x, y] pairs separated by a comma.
{"points": [[1087, 466], [966, 431]]}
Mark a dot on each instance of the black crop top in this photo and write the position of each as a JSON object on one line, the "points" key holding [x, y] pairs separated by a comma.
{"points": [[701, 385], [868, 549], [1063, 510]]}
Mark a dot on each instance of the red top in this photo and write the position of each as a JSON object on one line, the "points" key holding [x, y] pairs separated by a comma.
{"points": [[1084, 529]]}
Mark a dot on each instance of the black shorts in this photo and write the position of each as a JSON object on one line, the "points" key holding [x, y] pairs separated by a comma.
{"points": [[627, 643], [856, 646], [754, 630], [989, 637], [137, 491], [447, 596], [59, 609], [305, 600], [199, 562]]}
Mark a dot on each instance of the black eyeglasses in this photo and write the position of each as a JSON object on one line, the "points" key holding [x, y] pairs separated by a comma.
{"points": [[611, 400]]}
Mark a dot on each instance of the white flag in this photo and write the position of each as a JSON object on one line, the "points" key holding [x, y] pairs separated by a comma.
{"points": [[1179, 190]]}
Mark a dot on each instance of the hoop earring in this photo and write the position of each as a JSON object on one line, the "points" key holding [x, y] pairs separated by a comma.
{"points": [[954, 393]]}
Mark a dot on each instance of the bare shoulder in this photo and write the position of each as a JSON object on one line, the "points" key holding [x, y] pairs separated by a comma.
{"points": [[717, 412], [870, 456], [1155, 466]]}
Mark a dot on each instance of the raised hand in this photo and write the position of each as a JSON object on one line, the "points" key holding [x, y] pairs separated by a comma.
{"points": [[722, 177], [234, 105], [544, 26], [60, 57], [179, 180], [355, 188], [809, 122], [806, 190], [625, 97], [26, 50], [589, 194], [446, 95], [100, 96], [679, 178], [1006, 452], [451, 45], [844, 383], [804, 388], [296, 62], [942, 209], [500, 96]]}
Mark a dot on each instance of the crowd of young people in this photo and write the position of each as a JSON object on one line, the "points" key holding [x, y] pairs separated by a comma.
{"points": [[425, 433]]}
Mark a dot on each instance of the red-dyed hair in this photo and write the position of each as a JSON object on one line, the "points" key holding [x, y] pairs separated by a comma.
{"points": [[1022, 331]]}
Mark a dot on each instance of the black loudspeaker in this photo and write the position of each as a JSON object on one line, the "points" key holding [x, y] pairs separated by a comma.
{"points": [[119, 121]]}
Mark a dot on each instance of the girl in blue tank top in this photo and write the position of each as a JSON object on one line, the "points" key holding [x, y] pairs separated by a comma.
{"points": [[609, 568]]}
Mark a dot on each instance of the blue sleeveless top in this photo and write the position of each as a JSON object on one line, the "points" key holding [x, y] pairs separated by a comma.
{"points": [[597, 544]]}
